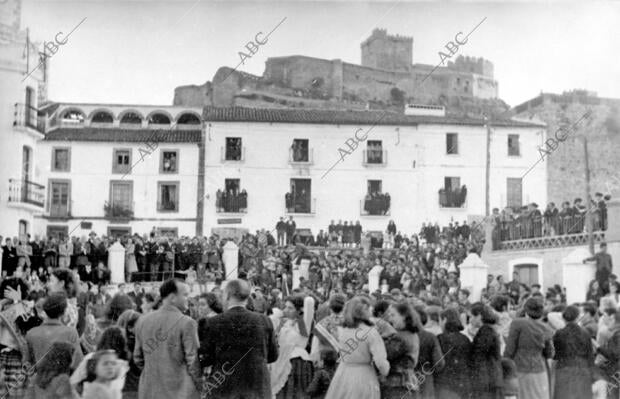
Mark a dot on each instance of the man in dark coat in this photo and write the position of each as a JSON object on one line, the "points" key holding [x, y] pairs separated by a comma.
{"points": [[430, 358], [291, 226], [603, 267], [238, 344]]}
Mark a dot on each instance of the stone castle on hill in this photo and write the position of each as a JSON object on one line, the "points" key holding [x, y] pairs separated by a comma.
{"points": [[387, 78]]}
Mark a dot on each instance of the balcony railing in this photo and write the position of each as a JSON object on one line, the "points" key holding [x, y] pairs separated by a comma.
{"points": [[300, 205], [25, 191], [375, 157], [376, 206], [301, 158], [118, 211], [232, 154], [452, 199], [27, 116], [231, 203]]}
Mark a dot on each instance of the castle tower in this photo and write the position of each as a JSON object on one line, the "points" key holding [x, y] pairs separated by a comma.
{"points": [[389, 52]]}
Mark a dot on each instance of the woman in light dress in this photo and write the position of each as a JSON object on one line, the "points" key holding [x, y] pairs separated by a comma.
{"points": [[292, 372], [361, 349], [131, 266]]}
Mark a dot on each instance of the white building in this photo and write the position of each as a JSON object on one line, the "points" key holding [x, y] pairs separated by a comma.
{"points": [[409, 157], [117, 169], [22, 90]]}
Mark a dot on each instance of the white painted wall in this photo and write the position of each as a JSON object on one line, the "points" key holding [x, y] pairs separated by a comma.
{"points": [[91, 173], [266, 173]]}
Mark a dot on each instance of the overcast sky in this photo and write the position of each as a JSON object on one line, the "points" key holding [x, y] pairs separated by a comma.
{"points": [[139, 51]]}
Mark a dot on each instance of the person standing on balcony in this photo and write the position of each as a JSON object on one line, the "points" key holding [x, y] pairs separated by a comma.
{"points": [[603, 267], [290, 230]]}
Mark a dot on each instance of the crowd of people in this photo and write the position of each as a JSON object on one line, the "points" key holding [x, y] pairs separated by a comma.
{"points": [[66, 333], [529, 222]]}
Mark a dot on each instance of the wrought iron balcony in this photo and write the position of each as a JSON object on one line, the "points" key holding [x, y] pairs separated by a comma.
{"points": [[301, 205], [377, 206], [118, 211], [27, 116], [231, 203], [28, 192], [452, 199]]}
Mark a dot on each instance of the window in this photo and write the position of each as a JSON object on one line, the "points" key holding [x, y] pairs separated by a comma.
{"points": [[102, 117], [374, 187], [121, 197], [26, 163], [514, 192], [122, 161], [60, 160], [168, 197], [452, 195], [59, 198], [233, 149], [118, 232], [23, 228], [169, 161], [159, 119], [299, 150], [131, 118], [513, 145], [374, 152], [73, 115], [188, 119], [452, 143], [299, 199], [233, 199], [375, 202]]}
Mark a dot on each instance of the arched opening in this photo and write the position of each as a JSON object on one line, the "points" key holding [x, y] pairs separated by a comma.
{"points": [[23, 229], [102, 117], [132, 118], [188, 119], [73, 116], [158, 119]]}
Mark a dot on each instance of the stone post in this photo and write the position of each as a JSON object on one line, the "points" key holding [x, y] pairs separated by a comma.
{"points": [[374, 276], [473, 276], [116, 263], [231, 260], [576, 275]]}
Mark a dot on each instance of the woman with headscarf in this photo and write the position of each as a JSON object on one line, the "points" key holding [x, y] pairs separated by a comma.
{"points": [[292, 372], [452, 382], [485, 358], [401, 382], [575, 359], [530, 344]]}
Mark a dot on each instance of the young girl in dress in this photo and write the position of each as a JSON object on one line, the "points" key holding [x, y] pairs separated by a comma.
{"points": [[191, 278], [201, 277], [103, 369]]}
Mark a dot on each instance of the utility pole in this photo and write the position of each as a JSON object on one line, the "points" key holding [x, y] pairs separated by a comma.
{"points": [[487, 195], [589, 227]]}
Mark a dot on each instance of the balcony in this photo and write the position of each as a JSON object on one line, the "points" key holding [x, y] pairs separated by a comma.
{"points": [[301, 158], [375, 158], [26, 192], [118, 212], [27, 117], [452, 198], [302, 205], [231, 203], [378, 205], [232, 154]]}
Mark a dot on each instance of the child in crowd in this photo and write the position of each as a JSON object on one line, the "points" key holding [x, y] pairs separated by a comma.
{"points": [[102, 370], [201, 277], [323, 377], [190, 278], [52, 378], [510, 388]]}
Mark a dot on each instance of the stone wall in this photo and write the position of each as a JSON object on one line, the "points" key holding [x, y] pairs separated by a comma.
{"points": [[566, 165]]}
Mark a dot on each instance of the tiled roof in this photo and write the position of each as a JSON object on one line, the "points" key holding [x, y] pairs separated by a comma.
{"points": [[124, 135], [241, 114]]}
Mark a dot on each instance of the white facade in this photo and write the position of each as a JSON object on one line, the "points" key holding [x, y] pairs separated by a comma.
{"points": [[90, 174], [416, 166], [21, 196]]}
